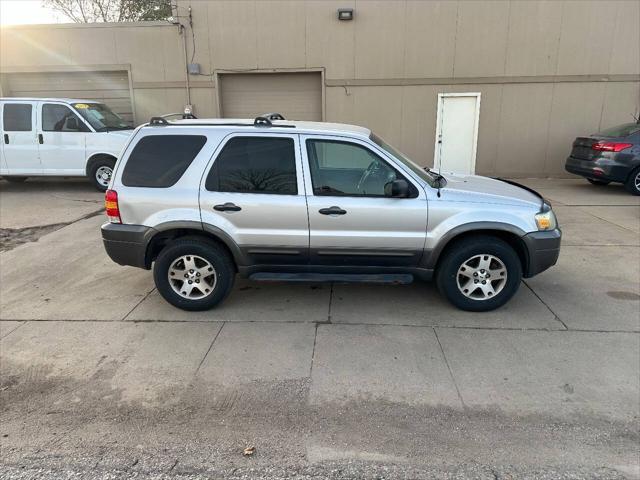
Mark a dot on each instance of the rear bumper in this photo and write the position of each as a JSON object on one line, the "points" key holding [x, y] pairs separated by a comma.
{"points": [[543, 249], [126, 244], [598, 169]]}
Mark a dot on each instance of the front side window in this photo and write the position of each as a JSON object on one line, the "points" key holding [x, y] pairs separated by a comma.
{"points": [[101, 117], [341, 168], [255, 165], [60, 118], [16, 117], [158, 161]]}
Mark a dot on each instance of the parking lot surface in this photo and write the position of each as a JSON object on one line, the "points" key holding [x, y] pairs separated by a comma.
{"points": [[101, 378]]}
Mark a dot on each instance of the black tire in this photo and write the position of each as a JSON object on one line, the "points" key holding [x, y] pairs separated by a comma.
{"points": [[633, 182], [460, 252], [215, 254], [593, 181], [102, 162], [15, 179]]}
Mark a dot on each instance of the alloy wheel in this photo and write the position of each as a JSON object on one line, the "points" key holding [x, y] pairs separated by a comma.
{"points": [[481, 277], [192, 277]]}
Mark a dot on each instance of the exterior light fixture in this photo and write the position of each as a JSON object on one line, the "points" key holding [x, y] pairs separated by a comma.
{"points": [[345, 14]]}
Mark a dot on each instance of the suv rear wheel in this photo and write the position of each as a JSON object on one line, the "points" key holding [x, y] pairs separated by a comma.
{"points": [[194, 274], [479, 273]]}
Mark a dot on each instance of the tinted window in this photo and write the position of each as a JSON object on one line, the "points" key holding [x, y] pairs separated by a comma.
{"points": [[255, 165], [16, 117], [160, 160], [59, 118], [339, 168]]}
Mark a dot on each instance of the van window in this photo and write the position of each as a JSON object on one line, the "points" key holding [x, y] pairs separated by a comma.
{"points": [[16, 117], [255, 165], [158, 161], [60, 118]]}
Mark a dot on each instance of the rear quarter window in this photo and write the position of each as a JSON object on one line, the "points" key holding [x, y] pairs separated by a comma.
{"points": [[16, 117], [158, 161]]}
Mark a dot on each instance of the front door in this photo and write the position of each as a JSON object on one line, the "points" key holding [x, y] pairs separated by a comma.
{"points": [[20, 144], [254, 192], [457, 132], [351, 220], [62, 138]]}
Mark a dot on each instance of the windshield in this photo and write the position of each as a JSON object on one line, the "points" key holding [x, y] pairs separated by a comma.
{"points": [[100, 117], [621, 130], [425, 175]]}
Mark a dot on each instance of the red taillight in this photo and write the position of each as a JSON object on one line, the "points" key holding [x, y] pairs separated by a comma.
{"points": [[611, 146], [111, 206]]}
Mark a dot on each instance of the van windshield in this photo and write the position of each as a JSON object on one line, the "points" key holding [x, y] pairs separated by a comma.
{"points": [[101, 117]]}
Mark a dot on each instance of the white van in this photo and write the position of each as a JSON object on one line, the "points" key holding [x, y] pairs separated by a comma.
{"points": [[60, 137]]}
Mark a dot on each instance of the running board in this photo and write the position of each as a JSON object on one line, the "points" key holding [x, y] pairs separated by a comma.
{"points": [[385, 278]]}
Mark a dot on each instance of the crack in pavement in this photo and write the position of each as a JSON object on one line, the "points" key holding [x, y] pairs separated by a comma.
{"points": [[11, 238]]}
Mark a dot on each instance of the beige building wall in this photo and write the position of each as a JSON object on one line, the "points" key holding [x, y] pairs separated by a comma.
{"points": [[547, 70]]}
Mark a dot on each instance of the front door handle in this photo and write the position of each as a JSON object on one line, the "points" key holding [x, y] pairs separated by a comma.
{"points": [[40, 139], [332, 211], [227, 207], [6, 138]]}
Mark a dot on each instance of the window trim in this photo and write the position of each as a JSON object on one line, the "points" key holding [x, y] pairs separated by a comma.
{"points": [[41, 106], [352, 141], [33, 116], [300, 172]]}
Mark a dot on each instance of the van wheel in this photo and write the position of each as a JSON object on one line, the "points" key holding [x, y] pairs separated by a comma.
{"points": [[194, 274], [101, 171], [15, 179], [479, 273], [633, 182]]}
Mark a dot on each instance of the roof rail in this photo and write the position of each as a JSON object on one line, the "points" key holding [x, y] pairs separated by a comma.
{"points": [[158, 121], [273, 116]]}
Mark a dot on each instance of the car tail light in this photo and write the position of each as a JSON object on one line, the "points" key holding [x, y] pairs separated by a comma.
{"points": [[611, 146], [111, 206]]}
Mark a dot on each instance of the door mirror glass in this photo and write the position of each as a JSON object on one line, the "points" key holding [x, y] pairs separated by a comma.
{"points": [[397, 189]]}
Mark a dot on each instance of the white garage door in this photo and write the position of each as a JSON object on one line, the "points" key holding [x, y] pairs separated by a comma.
{"points": [[112, 88], [297, 96]]}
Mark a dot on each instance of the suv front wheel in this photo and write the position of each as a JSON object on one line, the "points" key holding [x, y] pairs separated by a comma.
{"points": [[479, 273], [194, 274]]}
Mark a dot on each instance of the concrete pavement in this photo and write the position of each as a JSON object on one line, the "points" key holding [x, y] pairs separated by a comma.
{"points": [[95, 367]]}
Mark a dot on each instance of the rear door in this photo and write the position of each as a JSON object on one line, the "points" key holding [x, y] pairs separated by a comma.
{"points": [[351, 221], [253, 190], [20, 145], [62, 137]]}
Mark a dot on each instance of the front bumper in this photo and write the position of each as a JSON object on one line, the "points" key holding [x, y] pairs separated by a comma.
{"points": [[543, 249], [127, 244], [598, 169]]}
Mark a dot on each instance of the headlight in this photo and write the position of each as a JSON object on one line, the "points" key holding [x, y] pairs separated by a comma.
{"points": [[546, 219]]}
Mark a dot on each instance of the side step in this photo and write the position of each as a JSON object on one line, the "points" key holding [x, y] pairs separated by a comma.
{"points": [[385, 278]]}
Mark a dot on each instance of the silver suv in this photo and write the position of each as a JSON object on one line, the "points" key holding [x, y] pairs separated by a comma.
{"points": [[270, 199]]}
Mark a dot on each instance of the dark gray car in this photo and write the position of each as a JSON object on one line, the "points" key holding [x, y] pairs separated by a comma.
{"points": [[612, 155]]}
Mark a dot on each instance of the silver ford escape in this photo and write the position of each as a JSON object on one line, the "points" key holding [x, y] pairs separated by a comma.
{"points": [[270, 199]]}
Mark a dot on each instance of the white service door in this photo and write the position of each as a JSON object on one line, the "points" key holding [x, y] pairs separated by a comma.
{"points": [[457, 133], [20, 144]]}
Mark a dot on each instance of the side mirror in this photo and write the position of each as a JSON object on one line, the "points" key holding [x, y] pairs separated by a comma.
{"points": [[397, 189], [72, 125]]}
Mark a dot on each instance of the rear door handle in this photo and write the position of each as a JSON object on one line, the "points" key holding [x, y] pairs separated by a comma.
{"points": [[227, 207], [332, 211], [40, 139], [6, 138]]}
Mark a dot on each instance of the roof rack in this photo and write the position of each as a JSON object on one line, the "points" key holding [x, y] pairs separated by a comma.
{"points": [[273, 116], [260, 121], [158, 121], [265, 119]]}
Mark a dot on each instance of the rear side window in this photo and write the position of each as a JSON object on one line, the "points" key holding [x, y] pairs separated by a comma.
{"points": [[158, 161], [255, 165], [16, 117]]}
